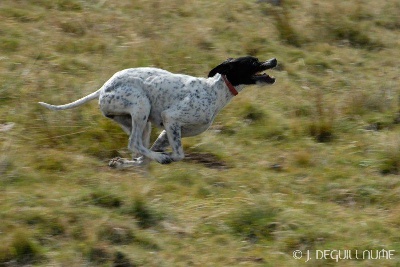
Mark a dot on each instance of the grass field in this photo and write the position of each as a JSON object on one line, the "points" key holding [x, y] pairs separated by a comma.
{"points": [[311, 163]]}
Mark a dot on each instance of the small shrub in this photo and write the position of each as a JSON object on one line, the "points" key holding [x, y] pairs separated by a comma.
{"points": [[391, 165], [108, 134], [356, 36], [262, 125], [321, 126], [302, 110], [5, 256], [73, 66], [99, 254], [115, 234], [49, 225], [203, 43], [252, 113], [73, 27], [121, 260], [54, 227], [52, 164], [304, 240], [389, 17], [367, 195], [79, 46], [317, 63], [342, 21], [9, 44], [390, 162], [255, 222], [321, 130], [228, 129], [255, 45], [25, 250], [146, 217], [68, 5], [22, 250], [303, 158], [287, 33], [20, 15], [183, 178], [105, 199]]}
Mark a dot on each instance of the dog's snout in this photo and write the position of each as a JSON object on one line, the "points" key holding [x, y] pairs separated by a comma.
{"points": [[271, 63]]}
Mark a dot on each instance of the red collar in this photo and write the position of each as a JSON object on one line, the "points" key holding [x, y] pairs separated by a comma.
{"points": [[230, 86]]}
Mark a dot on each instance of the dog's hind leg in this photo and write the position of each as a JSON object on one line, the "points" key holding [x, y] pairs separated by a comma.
{"points": [[146, 143], [146, 135], [125, 121], [139, 137], [137, 126]]}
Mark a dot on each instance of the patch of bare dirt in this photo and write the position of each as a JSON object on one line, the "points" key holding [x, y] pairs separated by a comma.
{"points": [[207, 159]]}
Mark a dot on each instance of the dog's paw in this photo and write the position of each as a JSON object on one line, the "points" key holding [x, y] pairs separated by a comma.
{"points": [[117, 163], [165, 158], [121, 163]]}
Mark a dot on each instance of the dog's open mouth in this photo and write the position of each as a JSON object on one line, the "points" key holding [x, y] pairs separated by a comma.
{"points": [[263, 77]]}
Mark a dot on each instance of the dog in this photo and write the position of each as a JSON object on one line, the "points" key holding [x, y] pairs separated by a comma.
{"points": [[182, 105]]}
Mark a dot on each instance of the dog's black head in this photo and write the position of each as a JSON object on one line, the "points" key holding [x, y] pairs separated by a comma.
{"points": [[245, 70]]}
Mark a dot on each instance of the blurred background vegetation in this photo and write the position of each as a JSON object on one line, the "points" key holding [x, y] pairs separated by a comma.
{"points": [[312, 162]]}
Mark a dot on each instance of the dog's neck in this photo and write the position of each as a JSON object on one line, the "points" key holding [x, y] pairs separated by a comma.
{"points": [[231, 88]]}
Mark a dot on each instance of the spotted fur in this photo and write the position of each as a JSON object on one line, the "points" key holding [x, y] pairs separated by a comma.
{"points": [[182, 105]]}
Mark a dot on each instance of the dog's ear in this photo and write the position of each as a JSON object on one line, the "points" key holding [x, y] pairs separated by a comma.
{"points": [[222, 68]]}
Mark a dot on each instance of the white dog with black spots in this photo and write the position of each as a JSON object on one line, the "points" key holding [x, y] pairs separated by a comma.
{"points": [[180, 104]]}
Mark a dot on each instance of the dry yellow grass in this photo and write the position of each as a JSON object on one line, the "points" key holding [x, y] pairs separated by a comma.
{"points": [[311, 163]]}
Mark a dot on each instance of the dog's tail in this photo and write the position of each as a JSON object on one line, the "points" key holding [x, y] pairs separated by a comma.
{"points": [[74, 104]]}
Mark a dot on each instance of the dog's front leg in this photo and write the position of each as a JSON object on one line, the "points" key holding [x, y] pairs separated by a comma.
{"points": [[173, 131]]}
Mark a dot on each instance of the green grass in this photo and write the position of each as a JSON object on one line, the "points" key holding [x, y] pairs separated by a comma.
{"points": [[311, 162]]}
